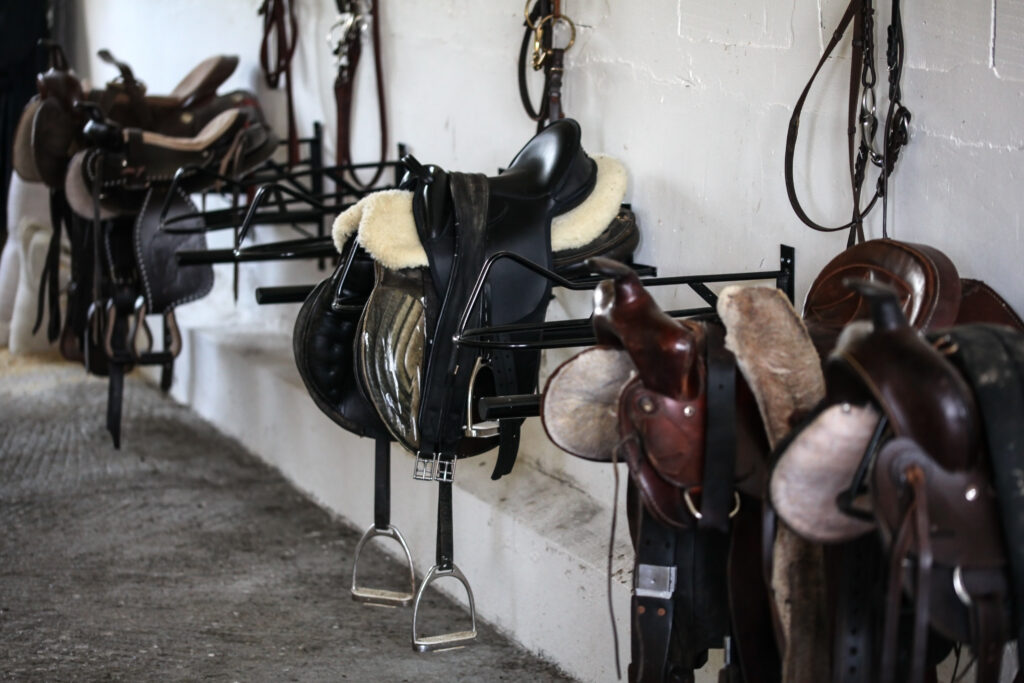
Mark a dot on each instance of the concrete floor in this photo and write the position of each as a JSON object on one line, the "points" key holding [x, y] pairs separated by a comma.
{"points": [[182, 557]]}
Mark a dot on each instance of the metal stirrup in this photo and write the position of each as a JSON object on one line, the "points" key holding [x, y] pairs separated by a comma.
{"points": [[444, 641], [381, 596]]}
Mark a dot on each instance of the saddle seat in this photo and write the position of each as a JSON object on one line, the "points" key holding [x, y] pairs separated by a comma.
{"points": [[235, 141]]}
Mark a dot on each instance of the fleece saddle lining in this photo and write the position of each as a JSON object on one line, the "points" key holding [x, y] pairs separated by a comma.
{"points": [[385, 227]]}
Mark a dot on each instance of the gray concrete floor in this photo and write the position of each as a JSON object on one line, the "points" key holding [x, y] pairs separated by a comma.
{"points": [[182, 557]]}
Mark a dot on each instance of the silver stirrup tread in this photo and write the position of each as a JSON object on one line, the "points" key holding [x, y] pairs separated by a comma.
{"points": [[381, 596], [445, 641]]}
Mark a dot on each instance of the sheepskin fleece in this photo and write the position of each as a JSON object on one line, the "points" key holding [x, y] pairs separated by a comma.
{"points": [[384, 225], [779, 362]]}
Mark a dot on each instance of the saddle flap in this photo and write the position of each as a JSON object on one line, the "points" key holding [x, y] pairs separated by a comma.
{"points": [[165, 283]]}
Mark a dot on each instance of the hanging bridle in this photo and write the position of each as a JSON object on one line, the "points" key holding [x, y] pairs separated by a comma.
{"points": [[280, 38], [540, 27], [345, 39], [861, 118]]}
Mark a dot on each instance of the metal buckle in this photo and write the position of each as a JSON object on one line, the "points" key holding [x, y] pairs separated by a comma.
{"points": [[697, 514], [433, 468], [654, 581], [381, 596], [425, 467], [444, 641], [478, 429]]}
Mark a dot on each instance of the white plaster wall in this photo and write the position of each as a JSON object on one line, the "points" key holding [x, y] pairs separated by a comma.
{"points": [[693, 95]]}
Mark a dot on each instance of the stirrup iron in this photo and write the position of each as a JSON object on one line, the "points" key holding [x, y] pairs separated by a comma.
{"points": [[444, 641], [382, 596]]}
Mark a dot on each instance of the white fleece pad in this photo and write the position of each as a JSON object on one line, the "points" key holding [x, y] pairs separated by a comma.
{"points": [[384, 224]]}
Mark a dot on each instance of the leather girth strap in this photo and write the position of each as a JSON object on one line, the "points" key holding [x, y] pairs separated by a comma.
{"points": [[344, 84], [281, 28], [720, 433], [442, 415]]}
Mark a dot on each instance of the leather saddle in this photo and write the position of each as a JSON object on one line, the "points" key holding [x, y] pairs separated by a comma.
{"points": [[375, 343], [941, 488], [642, 395]]}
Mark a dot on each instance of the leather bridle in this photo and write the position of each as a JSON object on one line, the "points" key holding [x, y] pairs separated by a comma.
{"points": [[540, 25], [345, 39], [862, 122], [280, 38]]}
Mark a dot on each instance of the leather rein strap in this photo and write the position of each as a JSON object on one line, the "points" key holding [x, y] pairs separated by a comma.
{"points": [[281, 28], [348, 50], [861, 96]]}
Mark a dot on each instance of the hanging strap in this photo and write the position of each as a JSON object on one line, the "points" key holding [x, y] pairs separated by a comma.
{"points": [[280, 38], [855, 14], [49, 280], [348, 51], [382, 484], [717, 496]]}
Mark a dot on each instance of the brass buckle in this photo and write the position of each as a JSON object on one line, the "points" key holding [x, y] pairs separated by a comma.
{"points": [[380, 596], [444, 641]]}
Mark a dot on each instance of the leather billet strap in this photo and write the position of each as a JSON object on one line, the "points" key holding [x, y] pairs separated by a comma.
{"points": [[859, 582], [281, 28], [349, 54], [717, 496]]}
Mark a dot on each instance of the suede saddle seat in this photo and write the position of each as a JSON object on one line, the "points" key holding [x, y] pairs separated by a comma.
{"points": [[422, 247], [124, 163]]}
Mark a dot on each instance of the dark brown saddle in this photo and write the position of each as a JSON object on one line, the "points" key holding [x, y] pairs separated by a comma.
{"points": [[663, 396], [948, 402]]}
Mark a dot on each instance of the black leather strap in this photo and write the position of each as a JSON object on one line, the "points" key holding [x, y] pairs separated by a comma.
{"points": [[445, 551], [382, 484], [49, 281], [446, 379], [859, 595], [652, 614], [717, 497], [115, 399]]}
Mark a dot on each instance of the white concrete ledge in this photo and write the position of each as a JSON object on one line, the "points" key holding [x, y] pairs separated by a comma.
{"points": [[534, 547]]}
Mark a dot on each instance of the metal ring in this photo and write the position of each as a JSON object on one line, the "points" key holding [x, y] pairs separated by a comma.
{"points": [[959, 588], [696, 513], [554, 20]]}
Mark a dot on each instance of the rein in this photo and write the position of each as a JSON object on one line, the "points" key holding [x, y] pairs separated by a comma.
{"points": [[280, 38], [862, 121], [345, 39]]}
